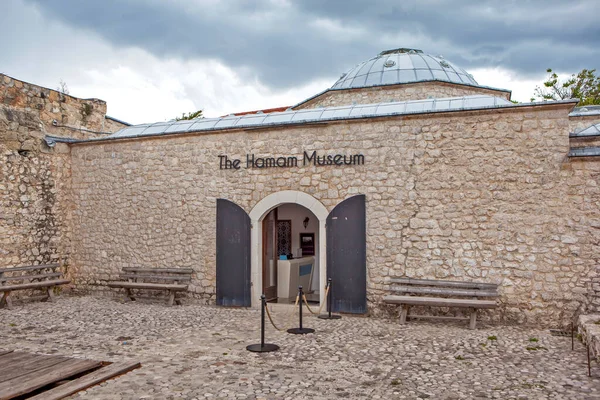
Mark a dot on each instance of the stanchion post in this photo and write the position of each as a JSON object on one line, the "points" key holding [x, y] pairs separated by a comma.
{"points": [[262, 347], [329, 303], [300, 330]]}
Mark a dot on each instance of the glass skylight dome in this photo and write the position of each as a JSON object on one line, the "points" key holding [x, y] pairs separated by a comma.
{"points": [[403, 66]]}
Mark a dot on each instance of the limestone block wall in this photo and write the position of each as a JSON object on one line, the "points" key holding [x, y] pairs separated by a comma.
{"points": [[578, 123], [485, 196], [34, 208], [407, 91], [52, 112], [35, 191]]}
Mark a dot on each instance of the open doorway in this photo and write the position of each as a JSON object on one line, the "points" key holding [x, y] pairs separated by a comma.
{"points": [[290, 253]]}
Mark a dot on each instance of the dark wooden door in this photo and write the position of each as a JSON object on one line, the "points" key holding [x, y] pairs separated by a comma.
{"points": [[347, 255], [270, 256], [233, 255]]}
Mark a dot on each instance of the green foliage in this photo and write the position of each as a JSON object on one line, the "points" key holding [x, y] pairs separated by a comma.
{"points": [[584, 86], [492, 338], [191, 115], [533, 339]]}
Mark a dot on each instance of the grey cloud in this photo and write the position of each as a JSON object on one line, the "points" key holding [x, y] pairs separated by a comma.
{"points": [[281, 46]]}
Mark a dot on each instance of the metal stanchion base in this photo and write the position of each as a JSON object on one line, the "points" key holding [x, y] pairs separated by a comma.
{"points": [[267, 347], [327, 316], [300, 331]]}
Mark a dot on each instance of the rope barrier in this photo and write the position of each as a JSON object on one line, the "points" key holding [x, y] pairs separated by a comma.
{"points": [[288, 319], [295, 309], [322, 304]]}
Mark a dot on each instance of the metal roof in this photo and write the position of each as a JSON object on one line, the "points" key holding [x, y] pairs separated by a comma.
{"points": [[314, 115], [593, 130], [592, 151], [403, 66], [584, 111]]}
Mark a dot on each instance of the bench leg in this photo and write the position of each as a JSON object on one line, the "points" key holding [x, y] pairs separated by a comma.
{"points": [[6, 301], [50, 293], [178, 300], [171, 297], [403, 314], [129, 294], [473, 319]]}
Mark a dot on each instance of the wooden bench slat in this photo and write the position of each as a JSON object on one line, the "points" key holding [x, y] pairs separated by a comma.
{"points": [[34, 285], [157, 277], [439, 302], [454, 284], [35, 276], [444, 291], [142, 285], [159, 270], [29, 268]]}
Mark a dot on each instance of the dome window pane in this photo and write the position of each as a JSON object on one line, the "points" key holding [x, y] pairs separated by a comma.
{"points": [[373, 79], [424, 75]]}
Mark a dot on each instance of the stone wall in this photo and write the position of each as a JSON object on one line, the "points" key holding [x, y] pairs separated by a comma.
{"points": [[485, 196], [50, 112], [578, 123], [35, 191], [34, 208], [402, 92]]}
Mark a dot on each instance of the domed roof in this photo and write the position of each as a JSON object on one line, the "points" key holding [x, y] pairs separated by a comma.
{"points": [[403, 66]]}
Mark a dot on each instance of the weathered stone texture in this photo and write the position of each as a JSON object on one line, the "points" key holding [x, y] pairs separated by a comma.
{"points": [[407, 91], [50, 112], [487, 196], [578, 123], [34, 215], [35, 218]]}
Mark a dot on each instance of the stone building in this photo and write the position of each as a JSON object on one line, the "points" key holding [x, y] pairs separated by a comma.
{"points": [[405, 167]]}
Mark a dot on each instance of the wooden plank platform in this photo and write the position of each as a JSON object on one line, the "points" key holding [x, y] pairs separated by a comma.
{"points": [[24, 374], [101, 375]]}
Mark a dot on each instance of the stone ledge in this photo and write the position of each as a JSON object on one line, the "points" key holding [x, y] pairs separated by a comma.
{"points": [[589, 329]]}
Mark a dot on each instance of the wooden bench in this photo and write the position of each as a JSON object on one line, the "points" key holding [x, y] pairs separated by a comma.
{"points": [[43, 277], [173, 280], [436, 293]]}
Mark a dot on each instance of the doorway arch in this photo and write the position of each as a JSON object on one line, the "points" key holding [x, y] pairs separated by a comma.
{"points": [[257, 214]]}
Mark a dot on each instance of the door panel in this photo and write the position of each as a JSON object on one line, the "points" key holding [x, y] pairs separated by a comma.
{"points": [[233, 255], [347, 255]]}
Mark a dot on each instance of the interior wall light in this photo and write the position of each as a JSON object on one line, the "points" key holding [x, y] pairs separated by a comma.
{"points": [[305, 222]]}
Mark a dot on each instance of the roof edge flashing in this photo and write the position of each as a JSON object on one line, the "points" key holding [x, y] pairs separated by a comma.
{"points": [[333, 114]]}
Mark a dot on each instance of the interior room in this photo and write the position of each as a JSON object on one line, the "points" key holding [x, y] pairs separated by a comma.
{"points": [[290, 254]]}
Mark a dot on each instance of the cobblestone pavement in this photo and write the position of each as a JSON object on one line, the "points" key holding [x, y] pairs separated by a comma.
{"points": [[198, 352]]}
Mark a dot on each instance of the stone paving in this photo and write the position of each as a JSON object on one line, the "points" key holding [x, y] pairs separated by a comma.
{"points": [[198, 352]]}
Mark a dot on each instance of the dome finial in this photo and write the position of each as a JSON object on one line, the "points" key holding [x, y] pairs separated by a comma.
{"points": [[400, 50]]}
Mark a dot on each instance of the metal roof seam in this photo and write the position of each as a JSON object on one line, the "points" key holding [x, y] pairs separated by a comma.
{"points": [[427, 106]]}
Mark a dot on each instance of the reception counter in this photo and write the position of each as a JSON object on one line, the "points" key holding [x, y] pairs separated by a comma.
{"points": [[294, 273]]}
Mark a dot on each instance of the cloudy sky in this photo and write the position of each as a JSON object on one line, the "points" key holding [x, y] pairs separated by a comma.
{"points": [[151, 60]]}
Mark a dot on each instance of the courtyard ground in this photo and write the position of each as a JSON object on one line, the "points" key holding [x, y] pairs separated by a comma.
{"points": [[198, 352]]}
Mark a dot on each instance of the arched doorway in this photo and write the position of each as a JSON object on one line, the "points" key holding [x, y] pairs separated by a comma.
{"points": [[341, 254], [262, 210]]}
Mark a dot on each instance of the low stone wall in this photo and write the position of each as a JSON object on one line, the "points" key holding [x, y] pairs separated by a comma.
{"points": [[588, 329]]}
